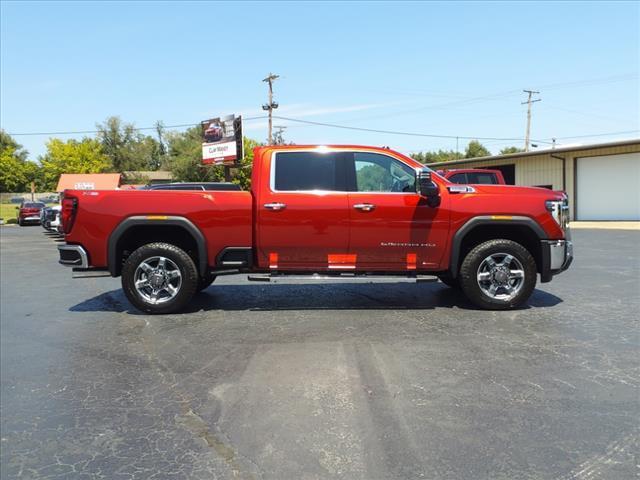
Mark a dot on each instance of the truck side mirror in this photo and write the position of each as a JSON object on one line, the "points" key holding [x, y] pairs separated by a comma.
{"points": [[427, 188]]}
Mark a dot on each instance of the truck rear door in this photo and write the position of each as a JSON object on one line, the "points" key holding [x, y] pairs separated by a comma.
{"points": [[303, 212]]}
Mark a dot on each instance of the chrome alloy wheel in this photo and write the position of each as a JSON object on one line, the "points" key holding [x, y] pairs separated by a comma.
{"points": [[157, 280], [500, 276]]}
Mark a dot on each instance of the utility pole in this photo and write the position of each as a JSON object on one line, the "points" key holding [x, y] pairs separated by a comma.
{"points": [[278, 136], [269, 107], [529, 102]]}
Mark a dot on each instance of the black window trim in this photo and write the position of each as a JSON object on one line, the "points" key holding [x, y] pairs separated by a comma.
{"points": [[347, 167], [340, 174], [352, 183]]}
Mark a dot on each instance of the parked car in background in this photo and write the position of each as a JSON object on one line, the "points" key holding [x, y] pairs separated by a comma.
{"points": [[43, 216], [212, 186], [17, 200], [50, 199], [29, 212], [50, 218], [471, 176]]}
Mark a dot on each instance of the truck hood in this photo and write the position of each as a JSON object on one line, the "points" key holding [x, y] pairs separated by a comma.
{"points": [[519, 191]]}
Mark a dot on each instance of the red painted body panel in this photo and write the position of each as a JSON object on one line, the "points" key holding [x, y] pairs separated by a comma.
{"points": [[317, 230], [311, 227], [401, 224], [224, 218]]}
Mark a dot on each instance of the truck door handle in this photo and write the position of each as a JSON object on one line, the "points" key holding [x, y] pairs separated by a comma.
{"points": [[365, 207], [275, 206]]}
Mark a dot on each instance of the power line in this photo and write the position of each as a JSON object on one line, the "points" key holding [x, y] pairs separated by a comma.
{"points": [[625, 132], [509, 93], [346, 127], [296, 120], [85, 132], [392, 132]]}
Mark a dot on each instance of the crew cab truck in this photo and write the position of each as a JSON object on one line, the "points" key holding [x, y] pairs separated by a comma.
{"points": [[321, 212]]}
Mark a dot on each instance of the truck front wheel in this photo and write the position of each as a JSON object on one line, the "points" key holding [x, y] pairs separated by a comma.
{"points": [[498, 274], [159, 278]]}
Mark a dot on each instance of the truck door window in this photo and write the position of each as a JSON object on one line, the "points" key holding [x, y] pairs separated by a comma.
{"points": [[482, 178], [381, 173], [458, 178], [305, 171]]}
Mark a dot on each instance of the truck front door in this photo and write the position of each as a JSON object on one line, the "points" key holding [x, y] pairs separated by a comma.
{"points": [[392, 227], [303, 214]]}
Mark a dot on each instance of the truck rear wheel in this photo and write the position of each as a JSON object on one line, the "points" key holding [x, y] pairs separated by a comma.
{"points": [[159, 278], [498, 274]]}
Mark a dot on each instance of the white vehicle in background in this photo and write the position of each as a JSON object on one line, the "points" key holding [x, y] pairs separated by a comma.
{"points": [[50, 218]]}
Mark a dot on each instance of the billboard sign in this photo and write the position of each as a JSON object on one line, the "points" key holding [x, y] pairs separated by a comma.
{"points": [[222, 140]]}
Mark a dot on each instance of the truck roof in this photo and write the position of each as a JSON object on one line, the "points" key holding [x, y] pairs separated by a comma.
{"points": [[370, 148]]}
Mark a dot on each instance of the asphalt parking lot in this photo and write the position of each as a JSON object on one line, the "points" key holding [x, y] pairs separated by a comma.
{"points": [[315, 381]]}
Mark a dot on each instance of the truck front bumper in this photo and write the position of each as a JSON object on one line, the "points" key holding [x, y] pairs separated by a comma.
{"points": [[73, 256], [557, 256]]}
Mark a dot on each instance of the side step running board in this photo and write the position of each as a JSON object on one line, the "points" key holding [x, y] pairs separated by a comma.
{"points": [[90, 273], [344, 278]]}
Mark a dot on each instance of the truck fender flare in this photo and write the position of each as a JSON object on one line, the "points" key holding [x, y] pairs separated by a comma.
{"points": [[474, 222], [153, 220]]}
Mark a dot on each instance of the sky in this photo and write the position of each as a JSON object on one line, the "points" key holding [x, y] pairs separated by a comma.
{"points": [[425, 68]]}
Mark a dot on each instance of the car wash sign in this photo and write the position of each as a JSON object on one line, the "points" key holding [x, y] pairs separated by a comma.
{"points": [[222, 140]]}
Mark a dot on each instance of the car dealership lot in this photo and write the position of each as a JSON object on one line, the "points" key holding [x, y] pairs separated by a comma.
{"points": [[313, 381]]}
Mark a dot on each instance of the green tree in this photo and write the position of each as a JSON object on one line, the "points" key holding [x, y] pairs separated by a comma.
{"points": [[436, 156], [242, 174], [507, 150], [72, 156], [127, 148], [16, 172], [185, 157], [476, 149], [8, 142]]}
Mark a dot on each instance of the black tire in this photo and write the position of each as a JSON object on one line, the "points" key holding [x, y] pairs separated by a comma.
{"points": [[449, 281], [186, 267], [470, 284], [204, 282], [20, 222]]}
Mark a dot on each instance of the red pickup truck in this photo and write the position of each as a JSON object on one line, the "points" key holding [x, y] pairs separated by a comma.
{"points": [[473, 176], [321, 211]]}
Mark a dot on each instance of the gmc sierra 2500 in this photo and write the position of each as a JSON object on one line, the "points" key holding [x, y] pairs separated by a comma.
{"points": [[321, 211]]}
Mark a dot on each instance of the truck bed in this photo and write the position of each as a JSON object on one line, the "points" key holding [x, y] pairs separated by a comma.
{"points": [[225, 218]]}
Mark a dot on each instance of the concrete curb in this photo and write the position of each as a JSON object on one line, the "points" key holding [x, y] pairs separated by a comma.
{"points": [[606, 225]]}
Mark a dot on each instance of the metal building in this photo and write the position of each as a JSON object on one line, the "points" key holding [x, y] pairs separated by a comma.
{"points": [[602, 180]]}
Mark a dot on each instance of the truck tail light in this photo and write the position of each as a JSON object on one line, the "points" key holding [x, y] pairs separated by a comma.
{"points": [[68, 213]]}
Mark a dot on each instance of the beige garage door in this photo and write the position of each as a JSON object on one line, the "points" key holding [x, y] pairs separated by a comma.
{"points": [[608, 187]]}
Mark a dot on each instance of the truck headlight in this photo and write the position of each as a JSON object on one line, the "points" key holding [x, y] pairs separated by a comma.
{"points": [[559, 210]]}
